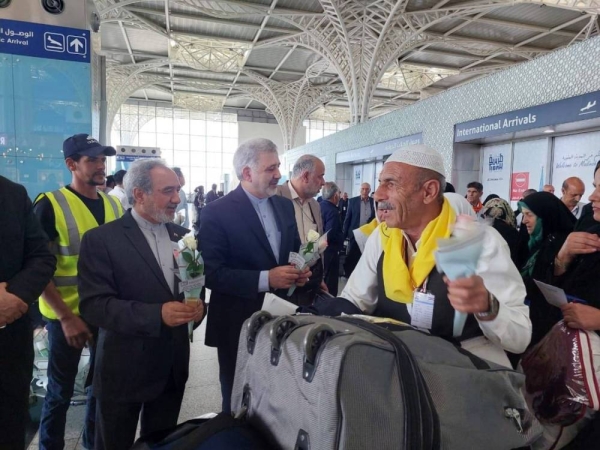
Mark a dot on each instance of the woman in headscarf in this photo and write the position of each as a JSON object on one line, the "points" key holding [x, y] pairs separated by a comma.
{"points": [[548, 223], [503, 220], [490, 197], [576, 269]]}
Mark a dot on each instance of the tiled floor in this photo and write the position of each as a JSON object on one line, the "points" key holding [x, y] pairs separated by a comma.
{"points": [[202, 394]]}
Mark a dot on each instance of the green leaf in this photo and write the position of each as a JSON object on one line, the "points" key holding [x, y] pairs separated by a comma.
{"points": [[309, 248], [187, 257]]}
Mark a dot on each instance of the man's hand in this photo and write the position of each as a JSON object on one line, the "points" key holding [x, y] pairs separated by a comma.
{"points": [[324, 287], [177, 313], [11, 306], [283, 277], [75, 330], [468, 295], [199, 311], [578, 243], [303, 277], [580, 316]]}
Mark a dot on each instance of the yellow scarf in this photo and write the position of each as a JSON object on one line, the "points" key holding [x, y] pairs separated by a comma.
{"points": [[400, 281], [368, 228]]}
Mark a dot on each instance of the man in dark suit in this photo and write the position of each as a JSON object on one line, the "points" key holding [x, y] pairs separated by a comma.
{"points": [[128, 289], [26, 267], [246, 238], [212, 194], [332, 225], [361, 211]]}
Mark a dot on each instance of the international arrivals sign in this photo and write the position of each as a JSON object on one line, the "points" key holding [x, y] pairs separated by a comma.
{"points": [[574, 109]]}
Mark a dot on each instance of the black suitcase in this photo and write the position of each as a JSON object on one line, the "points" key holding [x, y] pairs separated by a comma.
{"points": [[222, 432]]}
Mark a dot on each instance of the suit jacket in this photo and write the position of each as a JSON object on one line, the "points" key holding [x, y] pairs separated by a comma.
{"points": [[211, 196], [122, 290], [315, 209], [332, 224], [26, 265], [235, 250], [352, 221]]}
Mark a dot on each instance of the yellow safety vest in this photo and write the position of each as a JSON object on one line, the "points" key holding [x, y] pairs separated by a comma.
{"points": [[72, 220]]}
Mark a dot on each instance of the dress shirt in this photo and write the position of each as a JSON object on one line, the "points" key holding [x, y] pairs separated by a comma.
{"points": [[119, 193], [365, 211], [304, 215], [266, 215], [161, 245], [577, 210], [511, 329]]}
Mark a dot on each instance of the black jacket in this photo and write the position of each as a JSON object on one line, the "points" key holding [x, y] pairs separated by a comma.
{"points": [[352, 220], [235, 249], [26, 265], [122, 290]]}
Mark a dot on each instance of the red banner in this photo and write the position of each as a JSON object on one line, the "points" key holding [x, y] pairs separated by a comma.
{"points": [[519, 184]]}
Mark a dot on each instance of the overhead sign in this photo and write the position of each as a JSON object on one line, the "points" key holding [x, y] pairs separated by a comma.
{"points": [[381, 149], [44, 41], [497, 163], [574, 109]]}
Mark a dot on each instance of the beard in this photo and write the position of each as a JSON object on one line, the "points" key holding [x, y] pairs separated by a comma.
{"points": [[271, 191], [95, 180], [159, 215]]}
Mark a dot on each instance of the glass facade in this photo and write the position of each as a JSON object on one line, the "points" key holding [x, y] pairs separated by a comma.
{"points": [[316, 129], [42, 102], [202, 144]]}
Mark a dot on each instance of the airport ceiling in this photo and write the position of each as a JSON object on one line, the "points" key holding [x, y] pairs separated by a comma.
{"points": [[332, 59]]}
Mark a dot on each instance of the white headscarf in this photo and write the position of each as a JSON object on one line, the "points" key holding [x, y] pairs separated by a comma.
{"points": [[460, 204]]}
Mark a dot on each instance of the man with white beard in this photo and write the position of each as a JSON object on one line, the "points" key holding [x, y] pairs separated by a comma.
{"points": [[128, 289]]}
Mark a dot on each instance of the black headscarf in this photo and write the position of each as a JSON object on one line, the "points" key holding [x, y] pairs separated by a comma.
{"points": [[556, 217], [490, 197], [556, 223]]}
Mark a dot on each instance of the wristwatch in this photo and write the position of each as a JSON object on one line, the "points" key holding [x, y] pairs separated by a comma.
{"points": [[492, 311]]}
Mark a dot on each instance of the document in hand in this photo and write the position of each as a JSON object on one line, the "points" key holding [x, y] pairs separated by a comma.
{"points": [[553, 295], [457, 257], [278, 306]]}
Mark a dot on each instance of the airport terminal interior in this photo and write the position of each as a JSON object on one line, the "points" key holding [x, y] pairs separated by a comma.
{"points": [[505, 94]]}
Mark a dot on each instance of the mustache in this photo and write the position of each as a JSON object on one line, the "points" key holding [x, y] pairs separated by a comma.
{"points": [[385, 205]]}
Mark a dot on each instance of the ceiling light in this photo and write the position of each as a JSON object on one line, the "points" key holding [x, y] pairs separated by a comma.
{"points": [[550, 129]]}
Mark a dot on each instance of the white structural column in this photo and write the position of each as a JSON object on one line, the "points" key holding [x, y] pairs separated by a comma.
{"points": [[290, 103], [124, 80]]}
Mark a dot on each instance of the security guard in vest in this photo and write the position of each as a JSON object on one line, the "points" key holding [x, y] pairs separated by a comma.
{"points": [[65, 215]]}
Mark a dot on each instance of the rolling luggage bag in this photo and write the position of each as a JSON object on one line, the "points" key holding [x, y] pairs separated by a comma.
{"points": [[309, 382], [222, 432]]}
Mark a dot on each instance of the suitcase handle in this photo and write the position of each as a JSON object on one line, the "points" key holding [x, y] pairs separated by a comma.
{"points": [[280, 330], [314, 339], [255, 323]]}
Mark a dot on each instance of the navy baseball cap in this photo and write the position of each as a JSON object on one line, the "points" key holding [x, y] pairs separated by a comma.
{"points": [[85, 145]]}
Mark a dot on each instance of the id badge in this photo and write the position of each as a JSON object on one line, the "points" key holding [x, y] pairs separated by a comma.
{"points": [[422, 309]]}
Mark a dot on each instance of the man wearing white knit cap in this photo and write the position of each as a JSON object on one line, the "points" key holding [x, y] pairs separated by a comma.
{"points": [[398, 266]]}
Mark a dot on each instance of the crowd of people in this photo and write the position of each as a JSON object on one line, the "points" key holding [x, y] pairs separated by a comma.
{"points": [[103, 268]]}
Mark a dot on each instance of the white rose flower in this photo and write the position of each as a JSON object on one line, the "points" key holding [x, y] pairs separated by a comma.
{"points": [[190, 242], [312, 236]]}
